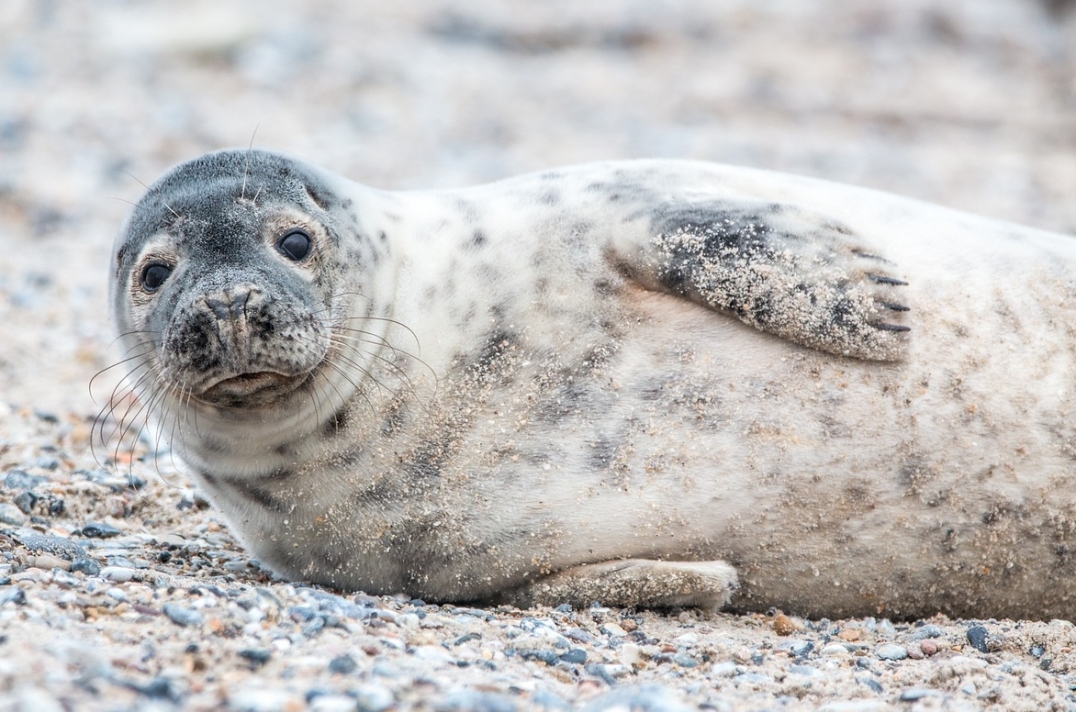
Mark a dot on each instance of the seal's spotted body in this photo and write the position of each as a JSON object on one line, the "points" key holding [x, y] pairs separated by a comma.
{"points": [[603, 382]]}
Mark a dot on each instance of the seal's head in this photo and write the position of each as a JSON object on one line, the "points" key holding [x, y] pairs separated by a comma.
{"points": [[226, 279]]}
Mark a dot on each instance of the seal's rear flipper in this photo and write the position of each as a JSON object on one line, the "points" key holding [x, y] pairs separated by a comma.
{"points": [[779, 268], [633, 582]]}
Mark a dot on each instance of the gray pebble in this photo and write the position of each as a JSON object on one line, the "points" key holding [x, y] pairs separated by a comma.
{"points": [[99, 530], [23, 480], [182, 616], [25, 501], [927, 631], [10, 514], [86, 566], [643, 698], [753, 678], [726, 669], [806, 671], [977, 636], [870, 682], [608, 673], [255, 656], [474, 701], [55, 545], [12, 594], [343, 665], [575, 656], [117, 574], [373, 698], [891, 651], [913, 694], [685, 660]]}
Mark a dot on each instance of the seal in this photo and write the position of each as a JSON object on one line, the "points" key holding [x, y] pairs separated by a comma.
{"points": [[651, 383]]}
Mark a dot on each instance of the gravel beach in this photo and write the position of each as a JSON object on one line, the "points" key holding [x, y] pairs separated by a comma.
{"points": [[119, 587]]}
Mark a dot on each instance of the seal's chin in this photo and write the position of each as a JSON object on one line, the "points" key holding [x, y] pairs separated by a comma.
{"points": [[250, 390]]}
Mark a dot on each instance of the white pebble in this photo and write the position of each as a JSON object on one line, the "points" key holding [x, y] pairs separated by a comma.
{"points": [[117, 574]]}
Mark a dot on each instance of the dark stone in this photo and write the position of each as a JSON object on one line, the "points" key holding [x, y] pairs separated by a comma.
{"points": [[255, 656], [977, 636], [99, 530], [21, 479], [467, 638], [25, 501], [343, 665], [12, 594], [86, 566], [55, 545], [575, 656]]}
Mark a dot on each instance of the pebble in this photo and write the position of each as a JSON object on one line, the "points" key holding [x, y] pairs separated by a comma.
{"points": [[978, 637], [613, 629], [332, 703], [182, 616], [255, 656], [641, 698], [23, 480], [474, 701], [10, 514], [891, 651], [834, 649], [49, 562], [782, 625], [926, 631], [575, 656], [631, 654], [48, 544], [343, 665], [117, 574], [86, 566], [914, 694], [99, 530], [373, 698]]}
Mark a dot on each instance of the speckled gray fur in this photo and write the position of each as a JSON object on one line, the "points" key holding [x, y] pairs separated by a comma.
{"points": [[635, 382]]}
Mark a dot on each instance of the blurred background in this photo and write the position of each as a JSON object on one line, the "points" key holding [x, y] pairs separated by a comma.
{"points": [[969, 103]]}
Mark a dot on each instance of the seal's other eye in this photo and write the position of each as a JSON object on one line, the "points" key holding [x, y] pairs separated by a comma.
{"points": [[153, 276], [295, 245]]}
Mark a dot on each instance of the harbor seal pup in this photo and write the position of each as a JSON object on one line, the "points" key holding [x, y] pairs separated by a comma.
{"points": [[650, 383]]}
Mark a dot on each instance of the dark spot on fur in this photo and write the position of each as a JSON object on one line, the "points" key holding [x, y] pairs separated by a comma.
{"points": [[336, 423], [549, 197], [320, 199], [257, 495], [602, 452], [478, 239]]}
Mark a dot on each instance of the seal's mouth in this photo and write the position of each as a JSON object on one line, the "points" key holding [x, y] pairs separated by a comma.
{"points": [[252, 389]]}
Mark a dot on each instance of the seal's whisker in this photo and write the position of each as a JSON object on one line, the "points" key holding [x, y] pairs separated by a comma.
{"points": [[398, 372], [105, 370], [379, 341], [165, 204]]}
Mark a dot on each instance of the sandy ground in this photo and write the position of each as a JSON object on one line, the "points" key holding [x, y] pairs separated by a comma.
{"points": [[118, 588]]}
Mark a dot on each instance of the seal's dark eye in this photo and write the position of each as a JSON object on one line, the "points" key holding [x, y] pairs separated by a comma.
{"points": [[295, 245], [153, 276]]}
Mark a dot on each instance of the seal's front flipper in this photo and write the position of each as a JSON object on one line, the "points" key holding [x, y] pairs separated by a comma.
{"points": [[780, 269], [633, 582]]}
